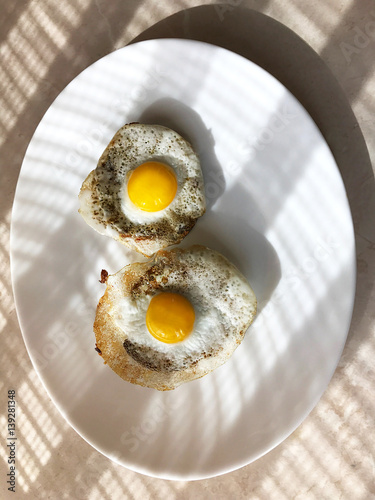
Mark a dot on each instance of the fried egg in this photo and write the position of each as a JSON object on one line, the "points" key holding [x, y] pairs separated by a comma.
{"points": [[174, 318], [147, 190]]}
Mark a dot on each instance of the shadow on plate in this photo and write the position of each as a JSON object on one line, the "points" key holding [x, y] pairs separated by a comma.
{"points": [[296, 65], [248, 249], [179, 117]]}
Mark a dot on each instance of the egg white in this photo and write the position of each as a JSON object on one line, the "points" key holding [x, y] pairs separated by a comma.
{"points": [[104, 201], [224, 306], [130, 317]]}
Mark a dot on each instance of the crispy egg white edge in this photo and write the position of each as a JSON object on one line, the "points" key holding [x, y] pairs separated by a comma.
{"points": [[86, 211]]}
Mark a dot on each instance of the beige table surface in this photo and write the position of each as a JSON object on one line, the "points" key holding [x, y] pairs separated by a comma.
{"points": [[44, 45]]}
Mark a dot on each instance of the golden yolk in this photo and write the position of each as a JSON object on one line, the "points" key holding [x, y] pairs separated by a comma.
{"points": [[170, 317], [152, 186]]}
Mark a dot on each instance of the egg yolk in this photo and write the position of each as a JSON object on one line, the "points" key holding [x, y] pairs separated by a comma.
{"points": [[152, 186], [170, 317]]}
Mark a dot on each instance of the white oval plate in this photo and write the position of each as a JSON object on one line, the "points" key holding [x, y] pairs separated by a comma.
{"points": [[277, 209]]}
